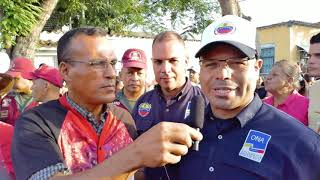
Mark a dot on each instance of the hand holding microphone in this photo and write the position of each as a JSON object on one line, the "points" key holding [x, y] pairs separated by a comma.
{"points": [[197, 116]]}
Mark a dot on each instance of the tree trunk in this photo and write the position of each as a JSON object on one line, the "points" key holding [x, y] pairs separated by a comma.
{"points": [[230, 7], [26, 46]]}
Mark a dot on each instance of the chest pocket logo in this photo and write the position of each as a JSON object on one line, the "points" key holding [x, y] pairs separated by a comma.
{"points": [[187, 113], [144, 109], [255, 145]]}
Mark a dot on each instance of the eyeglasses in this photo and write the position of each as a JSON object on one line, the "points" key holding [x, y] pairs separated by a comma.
{"points": [[234, 63], [96, 64]]}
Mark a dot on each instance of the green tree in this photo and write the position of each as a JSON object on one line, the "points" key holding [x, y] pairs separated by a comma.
{"points": [[21, 24], [17, 18], [22, 21], [189, 17]]}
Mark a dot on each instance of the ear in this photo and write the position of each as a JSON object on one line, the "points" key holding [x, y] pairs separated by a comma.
{"points": [[64, 71], [258, 64], [290, 80], [45, 86]]}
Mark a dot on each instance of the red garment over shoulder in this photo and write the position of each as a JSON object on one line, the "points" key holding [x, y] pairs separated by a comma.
{"points": [[81, 147], [9, 110], [6, 134]]}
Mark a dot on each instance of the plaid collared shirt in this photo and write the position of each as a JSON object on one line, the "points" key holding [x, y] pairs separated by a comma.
{"points": [[97, 125], [50, 171]]}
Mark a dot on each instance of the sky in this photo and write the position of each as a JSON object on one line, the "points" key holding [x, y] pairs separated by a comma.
{"points": [[266, 12]]}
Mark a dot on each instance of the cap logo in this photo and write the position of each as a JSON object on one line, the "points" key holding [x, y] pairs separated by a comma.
{"points": [[144, 109], [135, 56], [6, 102], [224, 28]]}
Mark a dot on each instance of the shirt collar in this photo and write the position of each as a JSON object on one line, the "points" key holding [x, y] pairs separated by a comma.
{"points": [[250, 111], [290, 98], [85, 113], [183, 92], [245, 115], [120, 94]]}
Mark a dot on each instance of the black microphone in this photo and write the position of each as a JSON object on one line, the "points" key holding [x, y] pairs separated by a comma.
{"points": [[197, 116]]}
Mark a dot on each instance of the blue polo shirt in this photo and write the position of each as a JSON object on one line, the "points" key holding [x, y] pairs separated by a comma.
{"points": [[259, 143], [152, 108]]}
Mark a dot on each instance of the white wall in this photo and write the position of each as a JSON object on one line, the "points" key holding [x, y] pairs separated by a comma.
{"points": [[121, 44]]}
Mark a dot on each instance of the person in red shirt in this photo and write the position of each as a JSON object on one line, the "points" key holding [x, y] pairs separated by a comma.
{"points": [[6, 133], [82, 135], [17, 101]]}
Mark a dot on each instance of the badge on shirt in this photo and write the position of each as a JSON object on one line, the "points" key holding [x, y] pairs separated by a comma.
{"points": [[187, 113], [255, 145], [144, 109], [6, 102]]}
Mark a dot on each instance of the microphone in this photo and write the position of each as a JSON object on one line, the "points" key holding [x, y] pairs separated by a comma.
{"points": [[197, 116]]}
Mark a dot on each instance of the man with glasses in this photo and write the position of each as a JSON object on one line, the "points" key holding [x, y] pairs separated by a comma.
{"points": [[243, 137], [83, 135], [170, 99]]}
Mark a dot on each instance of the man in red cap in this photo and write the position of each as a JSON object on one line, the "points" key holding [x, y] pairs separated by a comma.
{"points": [[47, 82], [133, 76], [15, 102]]}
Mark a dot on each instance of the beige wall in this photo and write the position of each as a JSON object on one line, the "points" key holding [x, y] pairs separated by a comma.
{"points": [[300, 35], [286, 38], [277, 36]]}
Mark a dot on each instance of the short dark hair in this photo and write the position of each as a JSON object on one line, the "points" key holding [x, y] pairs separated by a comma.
{"points": [[167, 35], [315, 39], [64, 41]]}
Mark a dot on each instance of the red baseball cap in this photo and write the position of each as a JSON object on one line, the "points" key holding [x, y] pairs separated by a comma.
{"points": [[21, 66], [134, 58], [49, 74]]}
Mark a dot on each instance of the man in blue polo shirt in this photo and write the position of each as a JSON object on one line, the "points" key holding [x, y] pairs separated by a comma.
{"points": [[170, 99], [243, 137]]}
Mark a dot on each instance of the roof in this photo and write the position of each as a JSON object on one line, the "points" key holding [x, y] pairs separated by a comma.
{"points": [[291, 23]]}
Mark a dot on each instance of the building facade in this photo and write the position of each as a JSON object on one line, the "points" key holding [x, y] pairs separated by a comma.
{"points": [[287, 40]]}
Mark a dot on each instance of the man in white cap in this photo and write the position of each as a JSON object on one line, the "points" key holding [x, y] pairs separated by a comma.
{"points": [[194, 75], [243, 137]]}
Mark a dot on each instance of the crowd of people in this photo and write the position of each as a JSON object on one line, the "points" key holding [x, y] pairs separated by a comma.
{"points": [[115, 127]]}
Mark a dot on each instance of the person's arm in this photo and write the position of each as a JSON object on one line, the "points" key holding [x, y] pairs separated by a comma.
{"points": [[163, 144]]}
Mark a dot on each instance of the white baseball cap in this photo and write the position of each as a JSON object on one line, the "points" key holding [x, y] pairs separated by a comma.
{"points": [[232, 30], [4, 62], [195, 68]]}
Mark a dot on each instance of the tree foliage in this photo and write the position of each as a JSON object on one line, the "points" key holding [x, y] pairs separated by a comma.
{"points": [[18, 18], [152, 16], [186, 16], [113, 15]]}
